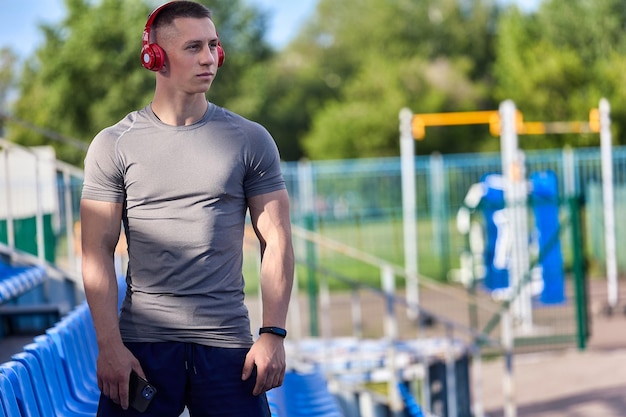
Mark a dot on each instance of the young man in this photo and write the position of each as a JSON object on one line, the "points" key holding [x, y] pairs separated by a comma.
{"points": [[180, 175]]}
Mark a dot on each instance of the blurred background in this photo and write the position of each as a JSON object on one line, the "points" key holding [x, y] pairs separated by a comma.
{"points": [[328, 79]]}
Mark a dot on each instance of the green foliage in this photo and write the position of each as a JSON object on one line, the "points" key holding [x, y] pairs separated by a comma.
{"points": [[87, 75], [335, 91], [426, 55], [82, 78], [558, 63], [8, 62]]}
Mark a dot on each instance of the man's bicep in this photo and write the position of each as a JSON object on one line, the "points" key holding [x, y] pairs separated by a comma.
{"points": [[275, 203], [269, 211], [100, 224]]}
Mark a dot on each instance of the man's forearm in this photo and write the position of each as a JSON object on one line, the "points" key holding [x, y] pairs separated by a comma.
{"points": [[276, 283], [101, 291]]}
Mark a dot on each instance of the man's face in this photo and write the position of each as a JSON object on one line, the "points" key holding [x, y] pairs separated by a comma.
{"points": [[190, 46]]}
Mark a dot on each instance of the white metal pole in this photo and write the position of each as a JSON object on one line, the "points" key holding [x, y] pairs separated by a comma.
{"points": [[515, 195], [437, 189], [8, 197], [69, 223], [608, 200], [409, 211], [41, 245], [295, 318], [391, 334], [508, 383], [451, 385], [324, 301], [569, 172], [477, 379], [306, 193]]}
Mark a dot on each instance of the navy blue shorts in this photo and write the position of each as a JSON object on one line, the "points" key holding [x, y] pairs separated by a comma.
{"points": [[207, 380]]}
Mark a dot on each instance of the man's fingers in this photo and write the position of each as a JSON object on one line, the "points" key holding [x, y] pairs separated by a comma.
{"points": [[112, 392], [265, 381], [248, 366], [124, 394]]}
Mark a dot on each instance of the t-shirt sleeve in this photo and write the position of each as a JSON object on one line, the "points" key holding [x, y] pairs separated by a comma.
{"points": [[103, 179], [264, 173]]}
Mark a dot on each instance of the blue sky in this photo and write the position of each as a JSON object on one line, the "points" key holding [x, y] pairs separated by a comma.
{"points": [[19, 19]]}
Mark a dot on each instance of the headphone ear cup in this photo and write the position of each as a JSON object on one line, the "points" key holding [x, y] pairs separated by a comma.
{"points": [[153, 57], [221, 55]]}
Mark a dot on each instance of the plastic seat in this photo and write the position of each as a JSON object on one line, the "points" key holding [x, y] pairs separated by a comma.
{"points": [[2, 413], [48, 393], [83, 389], [80, 343], [8, 399], [24, 391], [33, 373], [45, 350], [16, 280], [89, 332], [412, 407], [306, 394], [276, 401]]}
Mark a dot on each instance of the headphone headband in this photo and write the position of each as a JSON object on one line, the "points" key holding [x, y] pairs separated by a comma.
{"points": [[153, 56]]}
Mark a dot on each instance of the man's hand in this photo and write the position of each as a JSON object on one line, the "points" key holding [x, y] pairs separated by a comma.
{"points": [[268, 354], [114, 366]]}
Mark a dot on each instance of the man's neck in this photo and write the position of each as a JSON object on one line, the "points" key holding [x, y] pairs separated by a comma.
{"points": [[182, 112]]}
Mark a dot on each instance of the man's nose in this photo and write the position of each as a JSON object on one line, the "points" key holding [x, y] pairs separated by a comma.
{"points": [[208, 56]]}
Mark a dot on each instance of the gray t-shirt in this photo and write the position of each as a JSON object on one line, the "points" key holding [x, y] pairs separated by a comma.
{"points": [[184, 189]]}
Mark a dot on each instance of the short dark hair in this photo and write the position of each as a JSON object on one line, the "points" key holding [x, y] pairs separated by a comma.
{"points": [[178, 9]]}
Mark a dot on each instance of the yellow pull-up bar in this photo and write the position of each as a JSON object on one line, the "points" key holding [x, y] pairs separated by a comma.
{"points": [[492, 118], [421, 121]]}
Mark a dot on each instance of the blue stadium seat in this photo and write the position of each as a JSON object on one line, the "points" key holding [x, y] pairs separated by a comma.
{"points": [[23, 388], [8, 398], [16, 280], [276, 401], [79, 342], [47, 397], [54, 371], [34, 375], [88, 331], [303, 395], [412, 407], [2, 413], [81, 387], [49, 355]]}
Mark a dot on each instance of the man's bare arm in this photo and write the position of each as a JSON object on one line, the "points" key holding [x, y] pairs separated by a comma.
{"points": [[100, 231], [271, 222]]}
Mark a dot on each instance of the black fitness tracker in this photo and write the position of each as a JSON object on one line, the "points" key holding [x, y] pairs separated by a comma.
{"points": [[274, 330]]}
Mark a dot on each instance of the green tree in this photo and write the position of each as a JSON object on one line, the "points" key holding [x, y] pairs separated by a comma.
{"points": [[87, 74], [8, 64], [374, 57], [8, 78], [557, 63], [282, 94]]}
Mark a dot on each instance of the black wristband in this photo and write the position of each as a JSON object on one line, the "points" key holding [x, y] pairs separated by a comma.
{"points": [[274, 330]]}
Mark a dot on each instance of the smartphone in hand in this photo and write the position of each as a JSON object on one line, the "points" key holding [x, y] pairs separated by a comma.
{"points": [[141, 392]]}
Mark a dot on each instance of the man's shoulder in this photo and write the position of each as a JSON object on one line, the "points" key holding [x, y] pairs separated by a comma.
{"points": [[234, 118], [123, 126]]}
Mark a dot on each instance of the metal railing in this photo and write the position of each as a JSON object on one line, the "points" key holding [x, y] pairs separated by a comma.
{"points": [[398, 330]]}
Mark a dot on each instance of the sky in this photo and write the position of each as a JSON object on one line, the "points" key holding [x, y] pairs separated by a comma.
{"points": [[19, 19]]}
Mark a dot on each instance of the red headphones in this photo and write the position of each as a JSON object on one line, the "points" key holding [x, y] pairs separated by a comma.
{"points": [[153, 56]]}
